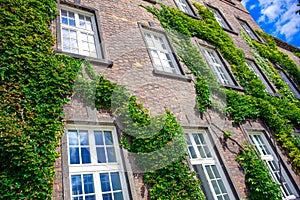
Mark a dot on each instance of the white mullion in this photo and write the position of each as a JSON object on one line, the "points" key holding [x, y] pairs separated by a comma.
{"points": [[92, 143], [195, 145], [209, 182]]}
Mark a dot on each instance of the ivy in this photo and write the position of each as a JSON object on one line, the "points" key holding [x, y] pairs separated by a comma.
{"points": [[34, 86], [258, 178]]}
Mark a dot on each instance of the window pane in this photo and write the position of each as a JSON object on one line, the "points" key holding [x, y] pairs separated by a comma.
{"points": [[118, 196], [215, 186], [107, 197], [74, 155], [196, 138], [98, 138], [88, 183], [111, 154], [76, 184], [73, 138], [210, 174], [85, 155], [84, 138], [101, 155], [108, 138], [105, 184], [216, 172], [115, 178], [92, 197], [192, 152]]}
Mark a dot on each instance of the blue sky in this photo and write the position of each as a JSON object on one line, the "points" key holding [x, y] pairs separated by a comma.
{"points": [[277, 17]]}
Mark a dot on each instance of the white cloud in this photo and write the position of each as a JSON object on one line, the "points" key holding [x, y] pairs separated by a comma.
{"points": [[244, 2], [281, 13], [252, 7]]}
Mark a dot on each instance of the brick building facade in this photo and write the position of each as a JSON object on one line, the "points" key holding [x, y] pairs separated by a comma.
{"points": [[115, 36]]}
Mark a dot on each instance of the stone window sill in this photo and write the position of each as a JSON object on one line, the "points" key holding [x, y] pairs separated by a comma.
{"points": [[174, 76]]}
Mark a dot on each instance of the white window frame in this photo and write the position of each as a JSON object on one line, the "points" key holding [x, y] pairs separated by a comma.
{"points": [[80, 31], [248, 30], [220, 19], [207, 161], [161, 53], [185, 7], [94, 168], [253, 66], [264, 149], [220, 70]]}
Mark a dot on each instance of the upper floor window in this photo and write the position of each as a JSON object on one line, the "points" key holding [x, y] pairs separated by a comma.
{"points": [[278, 173], [292, 86], [217, 66], [260, 75], [220, 19], [207, 167], [79, 33], [185, 7], [95, 166], [160, 51], [248, 30]]}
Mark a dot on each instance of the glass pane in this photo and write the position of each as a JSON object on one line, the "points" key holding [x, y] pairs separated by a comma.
{"points": [[81, 17], [216, 172], [105, 185], [222, 186], [98, 138], [202, 153], [116, 184], [188, 141], [64, 13], [85, 46], [220, 198], [108, 138], [111, 154], [92, 197], [215, 186], [72, 22], [91, 39], [107, 197], [118, 196], [84, 138], [73, 138], [210, 174], [76, 184], [85, 155], [101, 155], [65, 33], [195, 136], [88, 19], [192, 152], [71, 14], [64, 20], [207, 151], [74, 44], [88, 183], [73, 35], [202, 138], [74, 156], [226, 197], [82, 24]]}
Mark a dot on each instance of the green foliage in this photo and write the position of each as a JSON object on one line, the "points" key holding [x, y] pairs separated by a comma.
{"points": [[174, 181], [159, 147], [258, 178], [34, 86], [272, 53]]}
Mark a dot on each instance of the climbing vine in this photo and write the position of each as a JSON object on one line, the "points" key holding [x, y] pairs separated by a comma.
{"points": [[34, 85]]}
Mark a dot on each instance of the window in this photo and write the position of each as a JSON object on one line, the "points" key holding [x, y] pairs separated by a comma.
{"points": [[220, 19], [79, 33], [95, 164], [214, 61], [162, 56], [260, 75], [278, 173], [248, 30], [207, 167], [185, 7], [289, 83]]}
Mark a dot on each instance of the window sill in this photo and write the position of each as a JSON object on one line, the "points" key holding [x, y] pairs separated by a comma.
{"points": [[151, 1], [97, 61], [238, 88], [230, 31], [174, 76]]}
